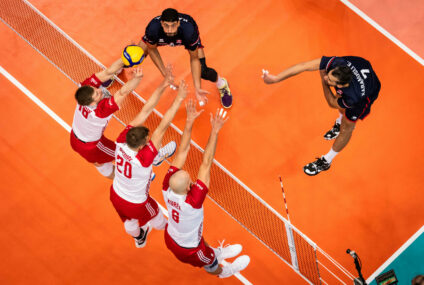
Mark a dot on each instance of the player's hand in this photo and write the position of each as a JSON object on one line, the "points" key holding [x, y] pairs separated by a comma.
{"points": [[138, 72], [268, 78], [192, 113], [182, 90], [201, 96], [169, 76], [219, 119]]}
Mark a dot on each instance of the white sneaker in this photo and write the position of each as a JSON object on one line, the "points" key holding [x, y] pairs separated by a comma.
{"points": [[167, 151], [228, 251], [238, 265], [141, 242]]}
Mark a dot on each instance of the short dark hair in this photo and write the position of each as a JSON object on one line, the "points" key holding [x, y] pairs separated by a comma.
{"points": [[343, 74], [137, 136], [169, 15], [418, 280], [84, 95]]}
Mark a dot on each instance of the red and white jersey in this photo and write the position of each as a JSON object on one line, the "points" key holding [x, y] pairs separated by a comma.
{"points": [[133, 169], [90, 122], [185, 222]]}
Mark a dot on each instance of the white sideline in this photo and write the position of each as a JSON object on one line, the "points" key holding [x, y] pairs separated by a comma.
{"points": [[383, 31], [68, 128], [395, 255]]}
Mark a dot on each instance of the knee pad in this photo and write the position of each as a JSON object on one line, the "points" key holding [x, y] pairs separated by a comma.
{"points": [[159, 222], [132, 227], [209, 74], [106, 169]]}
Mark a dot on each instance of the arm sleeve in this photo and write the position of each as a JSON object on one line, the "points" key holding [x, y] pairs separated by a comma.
{"points": [[122, 138], [151, 35], [106, 107], [147, 154], [191, 38], [197, 194], [171, 171], [326, 63]]}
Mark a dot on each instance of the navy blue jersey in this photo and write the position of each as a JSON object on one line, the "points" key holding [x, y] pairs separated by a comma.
{"points": [[187, 33], [364, 84]]}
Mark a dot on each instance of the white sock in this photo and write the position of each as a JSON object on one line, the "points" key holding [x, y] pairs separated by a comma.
{"points": [[330, 155], [339, 119], [220, 83]]}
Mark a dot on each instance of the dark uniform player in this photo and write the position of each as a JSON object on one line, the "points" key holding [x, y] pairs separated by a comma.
{"points": [[357, 87], [175, 29]]}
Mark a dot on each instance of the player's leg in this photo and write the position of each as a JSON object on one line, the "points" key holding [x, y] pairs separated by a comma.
{"points": [[132, 227], [335, 130], [324, 162], [159, 221], [106, 169], [210, 74]]}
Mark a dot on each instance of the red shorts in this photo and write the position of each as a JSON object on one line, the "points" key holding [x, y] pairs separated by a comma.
{"points": [[143, 212], [199, 256], [100, 151]]}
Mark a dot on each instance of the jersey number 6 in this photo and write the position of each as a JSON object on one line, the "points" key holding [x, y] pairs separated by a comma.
{"points": [[127, 166], [175, 216]]}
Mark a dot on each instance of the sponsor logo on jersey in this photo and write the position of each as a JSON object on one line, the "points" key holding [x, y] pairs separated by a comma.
{"points": [[339, 91], [161, 40], [179, 41]]}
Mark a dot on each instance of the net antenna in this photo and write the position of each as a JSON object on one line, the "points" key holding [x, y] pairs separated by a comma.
{"points": [[285, 202]]}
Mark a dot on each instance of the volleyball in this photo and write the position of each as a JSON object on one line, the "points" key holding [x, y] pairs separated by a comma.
{"points": [[132, 55]]}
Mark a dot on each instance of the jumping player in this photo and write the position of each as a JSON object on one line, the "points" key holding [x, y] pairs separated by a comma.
{"points": [[357, 87], [135, 153], [93, 113], [174, 29], [184, 200]]}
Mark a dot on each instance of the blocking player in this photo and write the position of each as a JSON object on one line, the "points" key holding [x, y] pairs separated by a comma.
{"points": [[135, 153], [184, 200], [357, 87], [174, 29], [93, 113]]}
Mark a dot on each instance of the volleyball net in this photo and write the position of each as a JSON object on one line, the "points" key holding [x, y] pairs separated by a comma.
{"points": [[228, 192]]}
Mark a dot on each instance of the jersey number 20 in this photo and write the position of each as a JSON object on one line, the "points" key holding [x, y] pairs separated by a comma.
{"points": [[127, 166]]}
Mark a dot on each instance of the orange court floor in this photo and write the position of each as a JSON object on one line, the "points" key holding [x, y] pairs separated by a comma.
{"points": [[57, 223]]}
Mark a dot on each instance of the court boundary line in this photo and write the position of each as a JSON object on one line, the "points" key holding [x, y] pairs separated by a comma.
{"points": [[68, 128], [395, 255], [382, 30]]}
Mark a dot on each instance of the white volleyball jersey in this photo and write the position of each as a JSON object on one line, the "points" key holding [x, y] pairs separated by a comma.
{"points": [[90, 122], [133, 170], [185, 222]]}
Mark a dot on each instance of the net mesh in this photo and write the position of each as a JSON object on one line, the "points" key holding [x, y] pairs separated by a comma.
{"points": [[232, 197]]}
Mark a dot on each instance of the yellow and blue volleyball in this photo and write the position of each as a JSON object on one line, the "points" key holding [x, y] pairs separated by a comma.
{"points": [[132, 55]]}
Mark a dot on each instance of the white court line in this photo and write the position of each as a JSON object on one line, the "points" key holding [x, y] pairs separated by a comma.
{"points": [[383, 31], [395, 255], [68, 128]]}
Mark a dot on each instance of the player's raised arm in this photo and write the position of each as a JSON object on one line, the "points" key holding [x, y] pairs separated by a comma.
{"points": [[291, 71], [158, 134], [154, 99], [205, 168], [109, 72], [196, 73], [182, 152], [328, 94], [129, 86]]}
